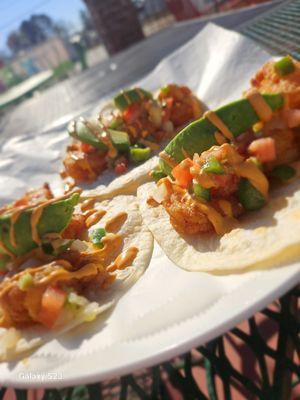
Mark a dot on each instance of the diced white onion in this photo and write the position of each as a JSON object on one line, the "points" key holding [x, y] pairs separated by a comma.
{"points": [[80, 301], [155, 115], [78, 245], [56, 244], [91, 311], [160, 193], [9, 339], [168, 126]]}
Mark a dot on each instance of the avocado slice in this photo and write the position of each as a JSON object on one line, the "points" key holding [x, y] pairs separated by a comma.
{"points": [[130, 96], [90, 132], [54, 219], [199, 135]]}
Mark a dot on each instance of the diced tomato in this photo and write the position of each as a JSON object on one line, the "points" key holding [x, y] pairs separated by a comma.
{"points": [[120, 168], [185, 90], [131, 113], [121, 165], [21, 202], [169, 102], [225, 185], [159, 135], [86, 148], [260, 76], [166, 114], [182, 173], [256, 81], [264, 149], [52, 303], [292, 118], [224, 180]]}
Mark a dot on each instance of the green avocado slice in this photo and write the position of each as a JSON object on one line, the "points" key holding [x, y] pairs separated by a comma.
{"points": [[199, 135], [89, 132], [130, 96], [54, 219]]}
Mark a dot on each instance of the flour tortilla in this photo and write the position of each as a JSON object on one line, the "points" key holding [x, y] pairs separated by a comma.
{"points": [[264, 238], [18, 343], [124, 184]]}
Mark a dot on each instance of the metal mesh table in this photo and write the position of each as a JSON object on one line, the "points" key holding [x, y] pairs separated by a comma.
{"points": [[208, 373], [265, 371], [277, 30]]}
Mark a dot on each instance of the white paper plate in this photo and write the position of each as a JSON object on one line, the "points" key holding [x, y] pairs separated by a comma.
{"points": [[169, 310]]}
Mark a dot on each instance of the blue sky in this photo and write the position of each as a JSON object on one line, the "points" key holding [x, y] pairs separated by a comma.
{"points": [[12, 12]]}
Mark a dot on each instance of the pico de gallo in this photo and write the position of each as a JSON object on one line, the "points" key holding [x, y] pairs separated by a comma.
{"points": [[222, 166], [69, 258], [127, 131]]}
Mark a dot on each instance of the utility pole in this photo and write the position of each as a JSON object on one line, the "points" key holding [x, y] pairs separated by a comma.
{"points": [[117, 23]]}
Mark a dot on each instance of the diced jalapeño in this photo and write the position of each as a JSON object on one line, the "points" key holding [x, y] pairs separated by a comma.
{"points": [[283, 172], [97, 235], [4, 260], [115, 123], [213, 166], [138, 154], [200, 192], [130, 96], [284, 66], [256, 161], [250, 198], [165, 89], [157, 174], [25, 281]]}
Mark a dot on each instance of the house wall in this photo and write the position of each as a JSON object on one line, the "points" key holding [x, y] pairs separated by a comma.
{"points": [[47, 55]]}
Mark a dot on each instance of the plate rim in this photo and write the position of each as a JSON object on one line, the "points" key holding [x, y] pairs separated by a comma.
{"points": [[167, 352]]}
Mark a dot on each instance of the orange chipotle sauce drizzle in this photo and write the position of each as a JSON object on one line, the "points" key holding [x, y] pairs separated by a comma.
{"points": [[124, 260], [249, 170], [6, 250], [87, 204], [261, 107], [226, 207], [185, 153], [38, 211], [59, 271], [218, 123], [35, 217], [13, 220], [90, 212], [152, 145], [114, 223], [220, 139], [94, 218], [220, 223], [106, 139], [126, 97], [140, 93], [152, 202], [168, 159]]}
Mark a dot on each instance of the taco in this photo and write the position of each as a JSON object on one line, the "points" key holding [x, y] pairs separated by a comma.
{"points": [[127, 131], [63, 262], [227, 194]]}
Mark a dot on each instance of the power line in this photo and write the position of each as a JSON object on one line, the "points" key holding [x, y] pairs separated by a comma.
{"points": [[21, 17]]}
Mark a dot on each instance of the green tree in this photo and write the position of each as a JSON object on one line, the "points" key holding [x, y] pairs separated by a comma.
{"points": [[31, 32]]}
